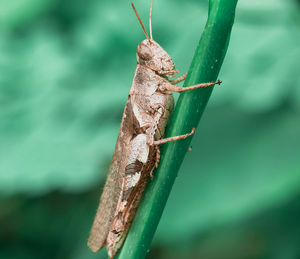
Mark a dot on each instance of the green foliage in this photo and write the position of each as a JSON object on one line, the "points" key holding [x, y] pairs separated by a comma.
{"points": [[17, 13], [65, 72]]}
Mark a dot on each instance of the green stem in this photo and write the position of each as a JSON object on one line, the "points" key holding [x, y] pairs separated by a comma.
{"points": [[205, 67]]}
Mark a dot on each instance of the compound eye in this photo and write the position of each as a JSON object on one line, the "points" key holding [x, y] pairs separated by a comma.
{"points": [[144, 52]]}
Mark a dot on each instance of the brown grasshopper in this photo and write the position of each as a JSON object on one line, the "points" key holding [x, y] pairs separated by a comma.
{"points": [[147, 111]]}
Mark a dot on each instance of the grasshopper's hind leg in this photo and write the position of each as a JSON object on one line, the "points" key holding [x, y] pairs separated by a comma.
{"points": [[157, 159]]}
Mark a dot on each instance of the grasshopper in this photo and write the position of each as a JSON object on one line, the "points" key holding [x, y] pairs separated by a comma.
{"points": [[148, 108]]}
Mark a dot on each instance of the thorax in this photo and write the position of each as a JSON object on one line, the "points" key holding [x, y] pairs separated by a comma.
{"points": [[145, 89]]}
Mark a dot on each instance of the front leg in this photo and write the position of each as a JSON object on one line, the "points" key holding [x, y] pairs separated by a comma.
{"points": [[178, 79], [179, 89]]}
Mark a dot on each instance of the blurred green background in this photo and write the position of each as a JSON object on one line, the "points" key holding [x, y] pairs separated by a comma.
{"points": [[66, 67]]}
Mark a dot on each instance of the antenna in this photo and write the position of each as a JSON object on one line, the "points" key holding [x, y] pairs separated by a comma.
{"points": [[150, 24], [140, 21]]}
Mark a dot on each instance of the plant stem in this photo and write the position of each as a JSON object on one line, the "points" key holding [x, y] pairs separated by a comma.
{"points": [[205, 67]]}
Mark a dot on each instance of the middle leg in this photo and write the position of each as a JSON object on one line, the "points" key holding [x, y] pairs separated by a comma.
{"points": [[165, 140]]}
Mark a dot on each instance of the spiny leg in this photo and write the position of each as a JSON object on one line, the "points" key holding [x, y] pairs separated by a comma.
{"points": [[179, 89], [165, 140], [157, 156], [162, 141], [178, 79], [157, 159]]}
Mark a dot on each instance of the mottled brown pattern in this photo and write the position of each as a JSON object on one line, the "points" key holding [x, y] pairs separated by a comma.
{"points": [[123, 219], [133, 167], [112, 188], [152, 109], [148, 109]]}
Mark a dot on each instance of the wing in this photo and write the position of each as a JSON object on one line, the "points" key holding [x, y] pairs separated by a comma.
{"points": [[135, 180], [112, 188]]}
